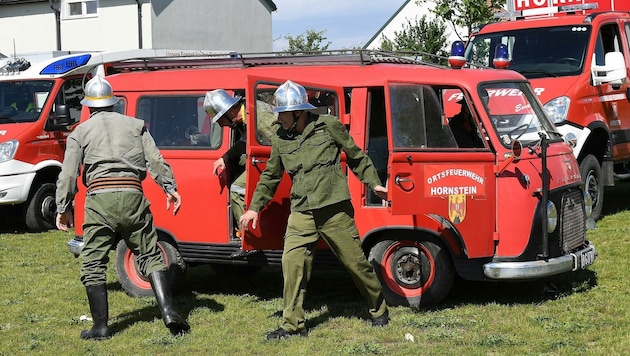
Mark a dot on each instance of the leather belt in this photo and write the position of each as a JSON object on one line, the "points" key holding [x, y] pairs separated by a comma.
{"points": [[114, 183]]}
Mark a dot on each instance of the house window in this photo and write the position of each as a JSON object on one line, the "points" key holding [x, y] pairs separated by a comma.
{"points": [[73, 9]]}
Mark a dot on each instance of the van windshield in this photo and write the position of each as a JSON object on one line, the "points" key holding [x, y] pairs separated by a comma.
{"points": [[22, 101], [535, 52], [515, 114]]}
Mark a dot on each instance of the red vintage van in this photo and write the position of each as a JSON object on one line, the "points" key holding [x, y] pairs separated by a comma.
{"points": [[511, 208]]}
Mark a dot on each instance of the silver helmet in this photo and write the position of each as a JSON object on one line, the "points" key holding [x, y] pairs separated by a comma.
{"points": [[98, 93], [291, 97], [218, 102]]}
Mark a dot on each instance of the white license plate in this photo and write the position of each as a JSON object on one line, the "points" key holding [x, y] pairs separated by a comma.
{"points": [[584, 258]]}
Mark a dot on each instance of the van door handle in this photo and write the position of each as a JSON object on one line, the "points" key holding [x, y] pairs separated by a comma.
{"points": [[399, 180], [255, 161]]}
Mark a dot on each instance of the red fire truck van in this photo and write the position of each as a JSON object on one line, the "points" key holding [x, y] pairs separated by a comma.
{"points": [[511, 207], [39, 104], [576, 54]]}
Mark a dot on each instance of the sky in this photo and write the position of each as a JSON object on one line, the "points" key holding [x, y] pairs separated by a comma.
{"points": [[348, 23]]}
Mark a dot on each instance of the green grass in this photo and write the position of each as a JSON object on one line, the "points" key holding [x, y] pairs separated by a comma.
{"points": [[588, 313]]}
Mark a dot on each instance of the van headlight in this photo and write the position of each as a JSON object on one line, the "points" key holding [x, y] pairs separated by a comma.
{"points": [[7, 150], [552, 217], [557, 109]]}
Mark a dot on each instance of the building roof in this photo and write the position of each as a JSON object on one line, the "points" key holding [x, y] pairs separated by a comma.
{"points": [[13, 2], [380, 31], [272, 6]]}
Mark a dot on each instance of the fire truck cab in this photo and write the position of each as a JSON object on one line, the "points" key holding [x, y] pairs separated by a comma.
{"points": [[576, 54], [510, 207], [39, 106]]}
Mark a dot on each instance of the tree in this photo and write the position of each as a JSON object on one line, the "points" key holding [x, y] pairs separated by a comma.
{"points": [[422, 36], [310, 41], [465, 13]]}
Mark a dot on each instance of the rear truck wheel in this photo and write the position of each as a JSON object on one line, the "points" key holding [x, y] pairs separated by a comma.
{"points": [[41, 209], [135, 283], [591, 173], [412, 273]]}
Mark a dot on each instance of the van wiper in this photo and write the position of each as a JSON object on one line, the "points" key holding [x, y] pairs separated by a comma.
{"points": [[537, 71], [6, 118]]}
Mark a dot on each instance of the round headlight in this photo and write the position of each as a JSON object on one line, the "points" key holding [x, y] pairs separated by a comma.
{"points": [[552, 217]]}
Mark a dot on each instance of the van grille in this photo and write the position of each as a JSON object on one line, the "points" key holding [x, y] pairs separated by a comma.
{"points": [[573, 232]]}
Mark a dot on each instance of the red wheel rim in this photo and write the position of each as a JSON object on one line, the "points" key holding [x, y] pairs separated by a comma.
{"points": [[390, 259], [131, 267]]}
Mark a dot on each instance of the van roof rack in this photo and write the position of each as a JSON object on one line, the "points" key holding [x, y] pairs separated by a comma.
{"points": [[233, 59]]}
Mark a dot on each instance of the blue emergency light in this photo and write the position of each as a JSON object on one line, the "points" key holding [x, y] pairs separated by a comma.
{"points": [[65, 65], [501, 58], [457, 60]]}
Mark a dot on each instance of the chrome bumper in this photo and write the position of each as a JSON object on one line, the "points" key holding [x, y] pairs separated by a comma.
{"points": [[543, 268], [75, 246]]}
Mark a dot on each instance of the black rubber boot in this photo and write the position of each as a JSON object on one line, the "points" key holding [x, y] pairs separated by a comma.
{"points": [[97, 296], [176, 324]]}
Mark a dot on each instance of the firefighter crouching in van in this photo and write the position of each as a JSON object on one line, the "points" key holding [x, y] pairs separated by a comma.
{"points": [[308, 147], [229, 111], [115, 152], [464, 129]]}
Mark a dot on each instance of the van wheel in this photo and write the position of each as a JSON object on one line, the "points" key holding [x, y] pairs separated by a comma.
{"points": [[135, 283], [591, 173], [41, 209], [412, 273]]}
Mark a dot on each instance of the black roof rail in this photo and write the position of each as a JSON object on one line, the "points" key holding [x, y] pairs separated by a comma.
{"points": [[243, 60]]}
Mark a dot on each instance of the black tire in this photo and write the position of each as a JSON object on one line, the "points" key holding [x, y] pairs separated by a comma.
{"points": [[413, 273], [135, 283], [41, 209], [591, 173]]}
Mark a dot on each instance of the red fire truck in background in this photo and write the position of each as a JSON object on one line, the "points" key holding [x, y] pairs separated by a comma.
{"points": [[576, 54], [511, 208], [39, 104]]}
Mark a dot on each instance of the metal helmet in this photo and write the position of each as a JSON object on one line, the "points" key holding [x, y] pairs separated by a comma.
{"points": [[291, 97], [218, 102], [98, 93]]}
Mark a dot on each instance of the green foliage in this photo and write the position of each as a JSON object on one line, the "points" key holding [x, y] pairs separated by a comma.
{"points": [[310, 41], [464, 13], [423, 35]]}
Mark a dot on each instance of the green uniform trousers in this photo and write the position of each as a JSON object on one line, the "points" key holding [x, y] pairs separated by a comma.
{"points": [[335, 224], [127, 214], [237, 196]]}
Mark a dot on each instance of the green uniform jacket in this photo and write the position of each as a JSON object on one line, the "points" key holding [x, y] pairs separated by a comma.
{"points": [[313, 161], [109, 144]]}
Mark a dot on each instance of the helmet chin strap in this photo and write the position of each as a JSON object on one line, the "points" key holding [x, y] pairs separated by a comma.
{"points": [[291, 131]]}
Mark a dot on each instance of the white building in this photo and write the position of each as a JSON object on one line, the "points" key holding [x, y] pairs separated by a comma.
{"points": [[409, 11], [46, 26]]}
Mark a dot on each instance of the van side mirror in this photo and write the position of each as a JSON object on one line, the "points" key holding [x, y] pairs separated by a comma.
{"points": [[59, 118], [613, 71]]}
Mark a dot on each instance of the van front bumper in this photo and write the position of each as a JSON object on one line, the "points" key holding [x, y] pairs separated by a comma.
{"points": [[543, 268], [75, 246]]}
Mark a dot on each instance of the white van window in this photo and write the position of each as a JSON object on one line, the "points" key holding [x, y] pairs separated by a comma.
{"points": [[179, 122]]}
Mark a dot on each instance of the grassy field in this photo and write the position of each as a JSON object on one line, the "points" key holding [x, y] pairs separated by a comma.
{"points": [[586, 313]]}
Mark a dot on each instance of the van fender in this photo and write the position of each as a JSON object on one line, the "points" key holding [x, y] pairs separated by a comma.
{"points": [[434, 224]]}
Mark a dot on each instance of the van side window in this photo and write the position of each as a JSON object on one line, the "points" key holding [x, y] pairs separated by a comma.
{"points": [[417, 118], [608, 40], [325, 103], [71, 96], [377, 138], [179, 122]]}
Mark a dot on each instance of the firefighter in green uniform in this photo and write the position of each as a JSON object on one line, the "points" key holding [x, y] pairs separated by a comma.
{"points": [[308, 147], [226, 111], [115, 152]]}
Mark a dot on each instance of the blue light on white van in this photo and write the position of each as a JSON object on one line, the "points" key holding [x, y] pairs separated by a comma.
{"points": [[66, 64]]}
